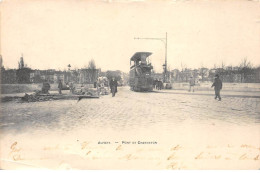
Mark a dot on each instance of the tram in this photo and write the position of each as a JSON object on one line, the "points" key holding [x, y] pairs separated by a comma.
{"points": [[140, 78]]}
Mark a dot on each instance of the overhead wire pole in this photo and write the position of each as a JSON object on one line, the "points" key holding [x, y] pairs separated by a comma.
{"points": [[164, 40]]}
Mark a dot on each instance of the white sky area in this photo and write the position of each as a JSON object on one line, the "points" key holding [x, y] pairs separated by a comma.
{"points": [[55, 33]]}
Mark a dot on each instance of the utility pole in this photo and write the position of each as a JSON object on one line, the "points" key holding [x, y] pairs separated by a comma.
{"points": [[164, 40]]}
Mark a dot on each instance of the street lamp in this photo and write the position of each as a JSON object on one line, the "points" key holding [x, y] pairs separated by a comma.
{"points": [[164, 40]]}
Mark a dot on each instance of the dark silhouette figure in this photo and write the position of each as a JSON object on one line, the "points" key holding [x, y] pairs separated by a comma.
{"points": [[113, 86], [217, 86]]}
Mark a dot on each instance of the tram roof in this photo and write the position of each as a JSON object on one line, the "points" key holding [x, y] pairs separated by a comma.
{"points": [[137, 55]]}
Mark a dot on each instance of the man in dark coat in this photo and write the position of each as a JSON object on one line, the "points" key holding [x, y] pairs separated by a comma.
{"points": [[113, 86], [217, 86]]}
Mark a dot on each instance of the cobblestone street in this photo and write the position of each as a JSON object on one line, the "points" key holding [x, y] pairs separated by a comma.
{"points": [[194, 122], [128, 111]]}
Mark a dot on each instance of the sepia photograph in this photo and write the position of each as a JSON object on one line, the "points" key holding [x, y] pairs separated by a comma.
{"points": [[130, 85]]}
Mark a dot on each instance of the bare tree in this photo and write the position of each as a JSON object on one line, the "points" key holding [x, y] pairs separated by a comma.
{"points": [[92, 64], [245, 63], [203, 71], [21, 63], [223, 65], [93, 72], [183, 67], [245, 69]]}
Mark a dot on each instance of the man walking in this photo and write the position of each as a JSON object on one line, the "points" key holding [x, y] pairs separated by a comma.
{"points": [[113, 86], [217, 86]]}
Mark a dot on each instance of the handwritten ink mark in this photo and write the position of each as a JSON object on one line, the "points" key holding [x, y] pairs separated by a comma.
{"points": [[119, 147], [13, 145], [84, 145], [88, 153], [16, 157], [177, 147], [199, 156], [243, 157], [171, 157]]}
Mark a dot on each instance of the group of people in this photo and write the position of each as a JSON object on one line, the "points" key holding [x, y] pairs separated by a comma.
{"points": [[157, 84]]}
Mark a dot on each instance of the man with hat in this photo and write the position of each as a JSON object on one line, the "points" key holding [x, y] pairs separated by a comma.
{"points": [[217, 86]]}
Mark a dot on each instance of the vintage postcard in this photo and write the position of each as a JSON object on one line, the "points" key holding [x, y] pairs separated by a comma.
{"points": [[130, 84]]}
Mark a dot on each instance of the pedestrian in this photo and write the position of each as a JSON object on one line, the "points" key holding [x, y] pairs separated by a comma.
{"points": [[155, 83], [217, 86], [60, 86], [113, 86], [45, 87], [71, 87], [192, 84], [160, 85]]}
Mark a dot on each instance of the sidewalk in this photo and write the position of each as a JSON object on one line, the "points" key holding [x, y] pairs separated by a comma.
{"points": [[245, 94]]}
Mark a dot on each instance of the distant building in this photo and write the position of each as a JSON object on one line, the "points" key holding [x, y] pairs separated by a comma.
{"points": [[88, 76], [8, 76], [47, 75], [59, 75], [35, 76]]}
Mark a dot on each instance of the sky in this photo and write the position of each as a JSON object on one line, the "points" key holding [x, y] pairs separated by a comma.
{"points": [[54, 33]]}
